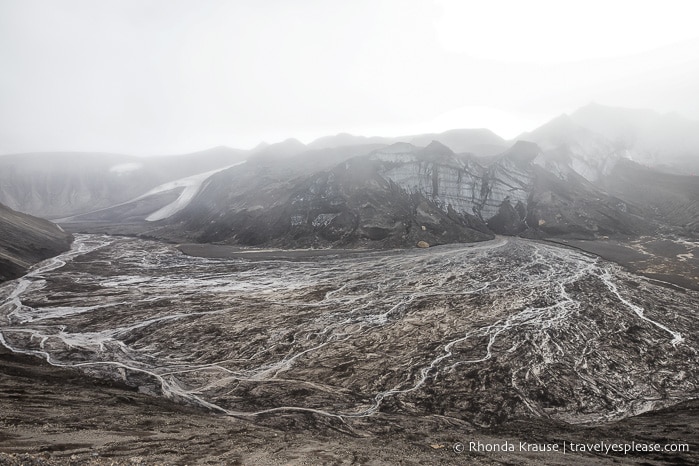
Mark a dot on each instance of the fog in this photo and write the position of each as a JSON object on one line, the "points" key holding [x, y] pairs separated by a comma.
{"points": [[155, 77]]}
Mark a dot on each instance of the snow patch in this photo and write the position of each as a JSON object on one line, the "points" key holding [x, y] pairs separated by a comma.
{"points": [[126, 168], [191, 184]]}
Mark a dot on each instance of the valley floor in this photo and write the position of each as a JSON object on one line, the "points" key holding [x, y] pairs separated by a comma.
{"points": [[669, 259], [58, 415]]}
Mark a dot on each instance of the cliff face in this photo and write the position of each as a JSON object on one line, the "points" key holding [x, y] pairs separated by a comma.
{"points": [[457, 181], [26, 240], [349, 205], [561, 180], [399, 195], [523, 191]]}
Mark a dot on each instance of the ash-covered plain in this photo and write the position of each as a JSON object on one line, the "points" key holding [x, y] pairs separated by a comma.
{"points": [[484, 333]]}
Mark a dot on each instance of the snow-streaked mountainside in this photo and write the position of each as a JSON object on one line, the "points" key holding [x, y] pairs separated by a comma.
{"points": [[560, 180], [451, 181], [191, 184], [572, 177], [399, 195], [569, 147], [63, 184], [158, 203]]}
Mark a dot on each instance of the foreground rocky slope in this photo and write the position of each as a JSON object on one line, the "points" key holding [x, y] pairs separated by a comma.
{"points": [[26, 240]]}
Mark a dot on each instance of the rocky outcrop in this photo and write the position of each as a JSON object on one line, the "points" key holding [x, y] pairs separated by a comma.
{"points": [[26, 240], [453, 181], [667, 199], [509, 220], [397, 196], [350, 205], [570, 148], [575, 208]]}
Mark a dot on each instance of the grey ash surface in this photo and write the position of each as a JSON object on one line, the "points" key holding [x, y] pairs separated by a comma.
{"points": [[53, 416], [545, 342]]}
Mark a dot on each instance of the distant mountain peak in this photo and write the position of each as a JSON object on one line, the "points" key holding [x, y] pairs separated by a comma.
{"points": [[292, 141], [524, 150], [214, 150], [478, 141], [262, 145], [562, 121], [667, 141], [562, 130], [286, 148], [346, 139], [399, 147], [436, 146]]}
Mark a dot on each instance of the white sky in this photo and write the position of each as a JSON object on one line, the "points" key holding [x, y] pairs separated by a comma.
{"points": [[173, 76]]}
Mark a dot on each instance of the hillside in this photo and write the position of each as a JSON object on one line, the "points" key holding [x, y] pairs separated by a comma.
{"points": [[26, 240], [54, 185]]}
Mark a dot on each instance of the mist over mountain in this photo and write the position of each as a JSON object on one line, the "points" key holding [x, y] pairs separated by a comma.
{"points": [[401, 194], [561, 180], [666, 142], [481, 142], [574, 177], [400, 232], [346, 139], [62, 184], [321, 286], [287, 148]]}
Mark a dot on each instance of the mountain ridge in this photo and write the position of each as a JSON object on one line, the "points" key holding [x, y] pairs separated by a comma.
{"points": [[562, 179]]}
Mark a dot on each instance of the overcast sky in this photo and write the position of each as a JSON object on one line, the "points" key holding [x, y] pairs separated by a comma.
{"points": [[173, 76]]}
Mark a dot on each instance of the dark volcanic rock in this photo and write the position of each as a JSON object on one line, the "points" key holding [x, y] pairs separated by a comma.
{"points": [[573, 207], [562, 180], [509, 220], [26, 240], [398, 195], [667, 199], [349, 205]]}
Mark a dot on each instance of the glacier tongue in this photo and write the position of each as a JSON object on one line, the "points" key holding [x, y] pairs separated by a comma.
{"points": [[192, 185]]}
